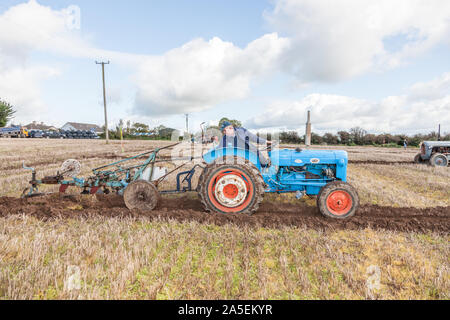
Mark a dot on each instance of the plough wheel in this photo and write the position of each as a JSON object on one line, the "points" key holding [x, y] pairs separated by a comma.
{"points": [[338, 200], [141, 195], [231, 187]]}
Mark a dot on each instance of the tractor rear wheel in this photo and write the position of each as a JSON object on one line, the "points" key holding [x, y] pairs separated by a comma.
{"points": [[141, 195], [229, 186], [338, 200], [438, 160]]}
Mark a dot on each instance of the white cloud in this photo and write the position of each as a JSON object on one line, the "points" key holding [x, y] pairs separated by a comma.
{"points": [[20, 87], [30, 27], [422, 108], [435, 89], [23, 29], [201, 74], [323, 41], [194, 77], [333, 41]]}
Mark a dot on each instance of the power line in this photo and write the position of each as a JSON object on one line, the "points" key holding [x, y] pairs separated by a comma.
{"points": [[104, 99]]}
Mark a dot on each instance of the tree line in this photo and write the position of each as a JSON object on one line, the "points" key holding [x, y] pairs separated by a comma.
{"points": [[134, 131], [6, 113], [358, 136]]}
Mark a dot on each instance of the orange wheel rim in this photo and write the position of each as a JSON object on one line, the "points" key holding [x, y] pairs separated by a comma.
{"points": [[243, 192], [339, 202], [230, 191]]}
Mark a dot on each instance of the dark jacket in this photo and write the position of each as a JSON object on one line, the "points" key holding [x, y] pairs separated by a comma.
{"points": [[241, 139]]}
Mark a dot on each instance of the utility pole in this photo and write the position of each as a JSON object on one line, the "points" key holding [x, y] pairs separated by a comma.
{"points": [[439, 133], [187, 122], [104, 100]]}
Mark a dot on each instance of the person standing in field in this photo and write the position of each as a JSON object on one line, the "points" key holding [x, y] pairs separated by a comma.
{"points": [[405, 144]]}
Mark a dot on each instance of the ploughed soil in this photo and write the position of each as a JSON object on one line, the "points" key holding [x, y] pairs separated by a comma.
{"points": [[270, 214], [379, 162]]}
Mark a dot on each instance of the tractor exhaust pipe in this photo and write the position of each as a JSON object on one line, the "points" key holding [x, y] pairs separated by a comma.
{"points": [[308, 130]]}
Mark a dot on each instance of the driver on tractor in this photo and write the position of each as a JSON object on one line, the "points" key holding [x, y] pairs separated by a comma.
{"points": [[236, 137]]}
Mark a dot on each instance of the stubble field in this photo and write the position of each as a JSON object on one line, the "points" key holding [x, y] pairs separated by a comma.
{"points": [[396, 247]]}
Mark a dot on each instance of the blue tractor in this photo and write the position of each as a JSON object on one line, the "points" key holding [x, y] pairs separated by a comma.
{"points": [[234, 180]]}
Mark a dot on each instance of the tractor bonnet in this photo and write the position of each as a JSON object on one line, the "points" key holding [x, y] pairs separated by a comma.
{"points": [[290, 157]]}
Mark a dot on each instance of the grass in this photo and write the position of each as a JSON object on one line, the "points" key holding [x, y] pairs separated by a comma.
{"points": [[407, 185], [141, 259], [112, 258]]}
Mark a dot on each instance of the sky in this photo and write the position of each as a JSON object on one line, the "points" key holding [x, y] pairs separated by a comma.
{"points": [[383, 66]]}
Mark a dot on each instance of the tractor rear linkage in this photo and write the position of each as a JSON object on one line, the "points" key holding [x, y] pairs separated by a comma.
{"points": [[111, 176]]}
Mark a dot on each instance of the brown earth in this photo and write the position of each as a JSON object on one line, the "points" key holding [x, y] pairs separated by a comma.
{"points": [[379, 162], [187, 208]]}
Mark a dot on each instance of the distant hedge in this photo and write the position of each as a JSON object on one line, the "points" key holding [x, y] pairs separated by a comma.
{"points": [[358, 136]]}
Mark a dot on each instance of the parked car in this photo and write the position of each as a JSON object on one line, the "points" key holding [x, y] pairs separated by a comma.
{"points": [[435, 153]]}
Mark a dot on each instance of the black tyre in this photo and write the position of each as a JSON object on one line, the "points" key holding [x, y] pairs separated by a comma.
{"points": [[141, 195], [231, 186], [338, 200], [438, 160], [418, 158]]}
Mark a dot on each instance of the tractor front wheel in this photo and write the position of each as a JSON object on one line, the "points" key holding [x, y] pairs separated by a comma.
{"points": [[338, 200], [141, 195], [418, 158]]}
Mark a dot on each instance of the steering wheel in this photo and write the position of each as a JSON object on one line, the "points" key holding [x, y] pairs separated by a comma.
{"points": [[270, 146]]}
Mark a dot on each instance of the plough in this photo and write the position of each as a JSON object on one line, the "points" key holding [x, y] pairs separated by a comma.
{"points": [[132, 181]]}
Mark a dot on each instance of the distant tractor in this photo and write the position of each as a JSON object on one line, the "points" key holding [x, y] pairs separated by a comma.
{"points": [[435, 153]]}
